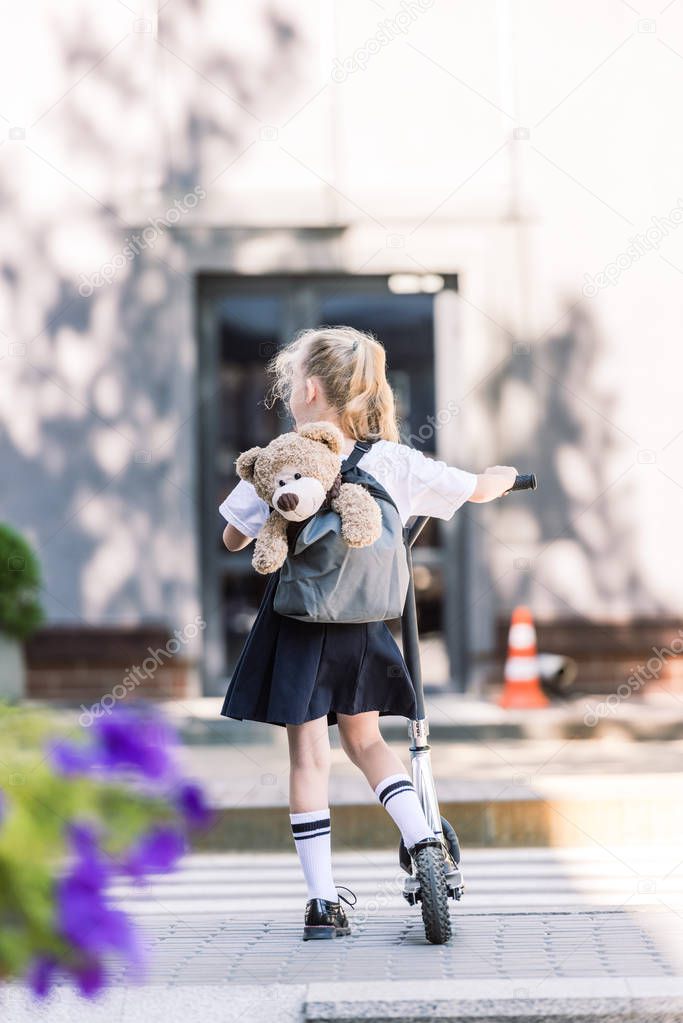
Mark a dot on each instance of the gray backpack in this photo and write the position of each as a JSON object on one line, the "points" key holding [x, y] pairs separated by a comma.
{"points": [[325, 580]]}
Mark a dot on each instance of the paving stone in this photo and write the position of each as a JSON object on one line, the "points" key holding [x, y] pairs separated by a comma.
{"points": [[497, 947]]}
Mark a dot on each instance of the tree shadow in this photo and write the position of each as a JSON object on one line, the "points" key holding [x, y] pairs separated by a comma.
{"points": [[99, 439]]}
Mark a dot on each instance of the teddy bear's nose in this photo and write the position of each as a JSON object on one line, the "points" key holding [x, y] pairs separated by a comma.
{"points": [[287, 502]]}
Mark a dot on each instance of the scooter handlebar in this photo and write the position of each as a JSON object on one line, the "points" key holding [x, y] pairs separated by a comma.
{"points": [[525, 481]]}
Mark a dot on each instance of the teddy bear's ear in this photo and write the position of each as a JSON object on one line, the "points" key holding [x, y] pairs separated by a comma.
{"points": [[326, 433], [245, 464]]}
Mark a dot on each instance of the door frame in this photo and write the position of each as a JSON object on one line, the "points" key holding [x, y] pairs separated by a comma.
{"points": [[209, 288]]}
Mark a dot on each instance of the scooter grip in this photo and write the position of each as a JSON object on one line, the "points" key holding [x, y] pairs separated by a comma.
{"points": [[526, 481]]}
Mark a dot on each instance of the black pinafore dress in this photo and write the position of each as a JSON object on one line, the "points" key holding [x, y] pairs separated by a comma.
{"points": [[291, 671]]}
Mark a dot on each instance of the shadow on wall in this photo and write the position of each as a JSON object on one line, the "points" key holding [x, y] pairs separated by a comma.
{"points": [[579, 528], [98, 402]]}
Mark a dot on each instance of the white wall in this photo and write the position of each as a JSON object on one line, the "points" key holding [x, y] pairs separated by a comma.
{"points": [[414, 159]]}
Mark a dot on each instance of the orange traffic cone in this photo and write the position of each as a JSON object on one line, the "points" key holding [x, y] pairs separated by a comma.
{"points": [[522, 689]]}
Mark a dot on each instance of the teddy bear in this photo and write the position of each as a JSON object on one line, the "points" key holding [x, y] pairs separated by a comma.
{"points": [[297, 474]]}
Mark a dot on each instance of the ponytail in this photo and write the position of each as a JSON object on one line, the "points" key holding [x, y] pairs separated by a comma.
{"points": [[352, 367]]}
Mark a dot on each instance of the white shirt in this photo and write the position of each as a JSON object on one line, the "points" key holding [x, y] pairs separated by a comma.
{"points": [[418, 484]]}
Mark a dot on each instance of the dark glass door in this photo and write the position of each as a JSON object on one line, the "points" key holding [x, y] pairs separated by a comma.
{"points": [[242, 321]]}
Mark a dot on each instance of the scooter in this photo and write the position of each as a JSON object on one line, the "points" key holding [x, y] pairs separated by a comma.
{"points": [[437, 876]]}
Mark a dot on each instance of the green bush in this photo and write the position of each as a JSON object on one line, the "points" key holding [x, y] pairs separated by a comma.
{"points": [[20, 609]]}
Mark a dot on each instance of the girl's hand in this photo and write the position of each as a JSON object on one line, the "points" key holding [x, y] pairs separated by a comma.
{"points": [[494, 482], [508, 475], [234, 540]]}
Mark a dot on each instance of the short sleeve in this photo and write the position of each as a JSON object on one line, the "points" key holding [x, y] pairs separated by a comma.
{"points": [[435, 488], [244, 509]]}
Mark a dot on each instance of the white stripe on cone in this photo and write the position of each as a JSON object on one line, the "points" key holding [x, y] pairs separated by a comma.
{"points": [[521, 669], [522, 636]]}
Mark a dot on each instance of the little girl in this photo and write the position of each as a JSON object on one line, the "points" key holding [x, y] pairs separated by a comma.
{"points": [[306, 676]]}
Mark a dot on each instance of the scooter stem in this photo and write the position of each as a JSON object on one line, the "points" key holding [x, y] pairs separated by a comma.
{"points": [[418, 729], [411, 639]]}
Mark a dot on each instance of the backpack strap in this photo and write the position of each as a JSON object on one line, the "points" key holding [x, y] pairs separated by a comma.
{"points": [[360, 448], [370, 483]]}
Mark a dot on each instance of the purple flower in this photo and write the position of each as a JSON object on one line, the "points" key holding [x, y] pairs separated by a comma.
{"points": [[156, 852], [84, 917], [83, 842], [85, 920], [131, 739], [89, 863], [138, 740], [41, 975], [69, 759], [90, 977], [191, 802]]}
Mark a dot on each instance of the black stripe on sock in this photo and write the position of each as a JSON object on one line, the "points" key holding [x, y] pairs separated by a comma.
{"points": [[310, 825], [397, 793], [394, 789], [317, 834]]}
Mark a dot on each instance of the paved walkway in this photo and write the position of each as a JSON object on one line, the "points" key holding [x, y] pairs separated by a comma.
{"points": [[535, 927], [513, 880]]}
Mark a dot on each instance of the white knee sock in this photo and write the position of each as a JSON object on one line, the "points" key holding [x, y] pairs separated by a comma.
{"points": [[311, 831], [397, 795]]}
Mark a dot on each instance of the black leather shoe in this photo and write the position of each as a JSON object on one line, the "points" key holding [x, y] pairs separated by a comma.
{"points": [[326, 919]]}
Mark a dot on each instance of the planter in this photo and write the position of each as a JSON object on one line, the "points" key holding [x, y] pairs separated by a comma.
{"points": [[74, 663], [12, 669]]}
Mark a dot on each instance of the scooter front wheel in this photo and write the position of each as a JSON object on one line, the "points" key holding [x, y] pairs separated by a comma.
{"points": [[451, 839], [430, 870]]}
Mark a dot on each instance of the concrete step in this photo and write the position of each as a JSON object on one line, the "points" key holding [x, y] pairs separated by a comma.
{"points": [[453, 717], [499, 822], [513, 793], [524, 1000]]}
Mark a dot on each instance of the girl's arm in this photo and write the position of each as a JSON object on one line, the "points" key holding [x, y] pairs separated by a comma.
{"points": [[437, 489], [493, 483]]}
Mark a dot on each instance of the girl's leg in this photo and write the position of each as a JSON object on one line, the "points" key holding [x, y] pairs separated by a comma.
{"points": [[363, 744], [309, 758]]}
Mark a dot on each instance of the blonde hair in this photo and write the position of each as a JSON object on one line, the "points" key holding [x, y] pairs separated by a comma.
{"points": [[351, 365]]}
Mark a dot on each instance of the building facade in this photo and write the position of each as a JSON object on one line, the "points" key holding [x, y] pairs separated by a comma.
{"points": [[493, 189]]}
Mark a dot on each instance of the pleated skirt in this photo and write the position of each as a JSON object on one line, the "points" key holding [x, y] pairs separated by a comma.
{"points": [[291, 671]]}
